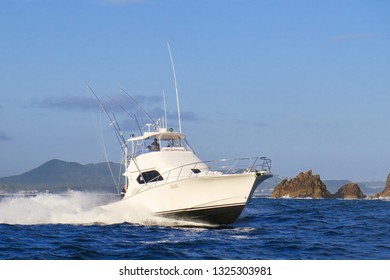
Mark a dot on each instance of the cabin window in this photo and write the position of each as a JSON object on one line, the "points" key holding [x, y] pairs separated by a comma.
{"points": [[149, 176], [195, 170]]}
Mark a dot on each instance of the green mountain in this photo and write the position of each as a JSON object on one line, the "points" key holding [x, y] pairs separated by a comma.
{"points": [[57, 176]]}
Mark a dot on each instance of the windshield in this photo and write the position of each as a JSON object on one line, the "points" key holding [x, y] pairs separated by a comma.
{"points": [[160, 142]]}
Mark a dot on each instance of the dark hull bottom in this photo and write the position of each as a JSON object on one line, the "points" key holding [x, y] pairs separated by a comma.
{"points": [[222, 215]]}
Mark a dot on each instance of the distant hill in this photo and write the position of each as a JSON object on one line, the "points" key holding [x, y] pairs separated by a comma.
{"points": [[373, 187], [57, 176], [366, 187]]}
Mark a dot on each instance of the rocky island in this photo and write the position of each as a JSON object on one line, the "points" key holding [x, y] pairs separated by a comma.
{"points": [[307, 185], [351, 191]]}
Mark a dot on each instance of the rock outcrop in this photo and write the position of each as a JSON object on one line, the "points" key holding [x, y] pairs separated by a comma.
{"points": [[349, 191], [305, 184], [386, 191]]}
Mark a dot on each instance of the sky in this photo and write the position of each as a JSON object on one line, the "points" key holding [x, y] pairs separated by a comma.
{"points": [[304, 83]]}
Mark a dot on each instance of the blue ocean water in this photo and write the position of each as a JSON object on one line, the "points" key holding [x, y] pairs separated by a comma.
{"points": [[68, 226]]}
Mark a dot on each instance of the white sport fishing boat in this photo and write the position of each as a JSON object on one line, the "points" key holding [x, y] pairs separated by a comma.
{"points": [[164, 176]]}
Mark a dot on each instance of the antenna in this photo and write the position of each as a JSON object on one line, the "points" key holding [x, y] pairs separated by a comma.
{"points": [[177, 91], [165, 111]]}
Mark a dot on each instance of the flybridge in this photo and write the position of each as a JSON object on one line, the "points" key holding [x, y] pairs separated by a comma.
{"points": [[160, 126], [162, 140]]}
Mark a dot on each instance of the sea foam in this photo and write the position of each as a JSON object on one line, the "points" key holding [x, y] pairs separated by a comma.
{"points": [[71, 207]]}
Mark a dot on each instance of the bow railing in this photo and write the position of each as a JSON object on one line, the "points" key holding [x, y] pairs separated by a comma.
{"points": [[258, 165]]}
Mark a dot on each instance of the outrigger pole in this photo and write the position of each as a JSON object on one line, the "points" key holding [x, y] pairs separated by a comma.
{"points": [[138, 105], [133, 116], [119, 134], [113, 122]]}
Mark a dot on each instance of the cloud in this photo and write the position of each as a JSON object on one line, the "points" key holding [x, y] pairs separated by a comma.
{"points": [[114, 103], [119, 104], [189, 116], [121, 2], [70, 103], [4, 136], [352, 37]]}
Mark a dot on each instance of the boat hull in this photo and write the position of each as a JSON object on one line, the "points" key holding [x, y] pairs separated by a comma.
{"points": [[210, 199], [222, 215]]}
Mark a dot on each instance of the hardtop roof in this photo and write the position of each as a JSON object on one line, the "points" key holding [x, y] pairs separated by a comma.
{"points": [[162, 135]]}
